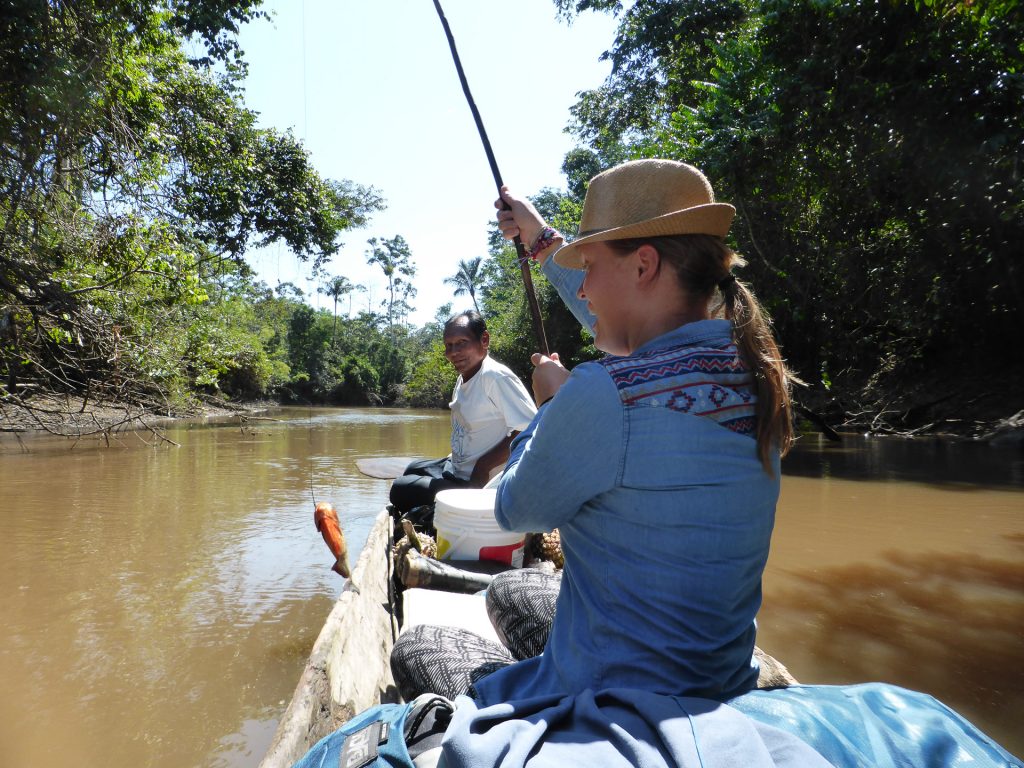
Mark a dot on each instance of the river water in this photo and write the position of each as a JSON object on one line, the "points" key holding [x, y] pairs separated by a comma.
{"points": [[158, 602]]}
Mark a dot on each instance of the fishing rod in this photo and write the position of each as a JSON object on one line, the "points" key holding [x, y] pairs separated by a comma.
{"points": [[524, 262]]}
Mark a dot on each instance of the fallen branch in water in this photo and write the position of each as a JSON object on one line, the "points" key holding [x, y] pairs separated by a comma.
{"points": [[76, 418]]}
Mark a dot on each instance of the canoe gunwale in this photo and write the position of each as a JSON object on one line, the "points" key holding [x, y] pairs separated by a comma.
{"points": [[348, 669]]}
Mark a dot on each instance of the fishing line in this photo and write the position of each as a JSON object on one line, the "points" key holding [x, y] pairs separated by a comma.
{"points": [[524, 262], [305, 90], [309, 420]]}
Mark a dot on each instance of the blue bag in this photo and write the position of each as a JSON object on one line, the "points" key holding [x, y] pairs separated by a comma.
{"points": [[382, 736]]}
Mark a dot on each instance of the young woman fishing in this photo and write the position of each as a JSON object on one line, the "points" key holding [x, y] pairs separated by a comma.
{"points": [[660, 463]]}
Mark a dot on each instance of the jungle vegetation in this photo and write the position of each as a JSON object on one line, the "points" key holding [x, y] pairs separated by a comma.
{"points": [[873, 149]]}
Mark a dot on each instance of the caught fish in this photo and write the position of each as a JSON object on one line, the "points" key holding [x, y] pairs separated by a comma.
{"points": [[326, 520]]}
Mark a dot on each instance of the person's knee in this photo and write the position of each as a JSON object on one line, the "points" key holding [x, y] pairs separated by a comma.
{"points": [[399, 491], [410, 491], [521, 606], [427, 467]]}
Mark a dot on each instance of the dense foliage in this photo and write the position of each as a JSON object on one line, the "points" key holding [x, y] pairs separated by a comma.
{"points": [[872, 149]]}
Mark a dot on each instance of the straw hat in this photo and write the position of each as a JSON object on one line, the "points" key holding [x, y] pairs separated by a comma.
{"points": [[647, 198]]}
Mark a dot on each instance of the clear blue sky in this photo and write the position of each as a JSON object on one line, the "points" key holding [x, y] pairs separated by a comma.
{"points": [[371, 88]]}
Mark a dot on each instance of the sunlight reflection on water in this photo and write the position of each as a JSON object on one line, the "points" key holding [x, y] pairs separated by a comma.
{"points": [[167, 598]]}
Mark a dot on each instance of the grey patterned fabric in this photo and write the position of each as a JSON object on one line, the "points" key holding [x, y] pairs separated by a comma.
{"points": [[443, 660], [521, 606], [447, 660]]}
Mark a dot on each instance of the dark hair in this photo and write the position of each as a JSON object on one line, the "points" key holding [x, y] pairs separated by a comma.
{"points": [[477, 326], [703, 264]]}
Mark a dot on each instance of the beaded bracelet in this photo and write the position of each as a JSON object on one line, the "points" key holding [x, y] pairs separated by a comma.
{"points": [[544, 240]]}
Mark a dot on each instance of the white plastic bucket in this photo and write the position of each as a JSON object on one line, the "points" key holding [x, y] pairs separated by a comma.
{"points": [[467, 530]]}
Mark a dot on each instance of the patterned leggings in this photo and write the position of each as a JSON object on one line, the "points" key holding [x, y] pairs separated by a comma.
{"points": [[448, 660]]}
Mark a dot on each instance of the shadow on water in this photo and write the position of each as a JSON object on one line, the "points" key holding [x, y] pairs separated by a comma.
{"points": [[938, 461], [949, 625]]}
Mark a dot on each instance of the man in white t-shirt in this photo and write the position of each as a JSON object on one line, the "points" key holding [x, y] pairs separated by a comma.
{"points": [[489, 407]]}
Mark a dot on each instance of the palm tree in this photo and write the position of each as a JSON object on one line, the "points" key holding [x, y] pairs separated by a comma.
{"points": [[395, 260], [336, 287], [467, 279]]}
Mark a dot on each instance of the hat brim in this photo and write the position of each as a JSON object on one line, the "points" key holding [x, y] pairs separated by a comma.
{"points": [[710, 219]]}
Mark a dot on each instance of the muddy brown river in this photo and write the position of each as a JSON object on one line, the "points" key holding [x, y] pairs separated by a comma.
{"points": [[158, 602]]}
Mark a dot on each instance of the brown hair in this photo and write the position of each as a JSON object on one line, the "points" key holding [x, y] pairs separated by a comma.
{"points": [[703, 264]]}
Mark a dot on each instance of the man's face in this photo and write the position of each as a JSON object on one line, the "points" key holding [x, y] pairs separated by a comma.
{"points": [[463, 351]]}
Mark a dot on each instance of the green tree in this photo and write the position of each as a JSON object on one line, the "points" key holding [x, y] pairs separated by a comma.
{"points": [[432, 381], [336, 287], [132, 178], [395, 261], [406, 291], [889, 238], [467, 279], [662, 60], [273, 310], [305, 341], [871, 150], [357, 288]]}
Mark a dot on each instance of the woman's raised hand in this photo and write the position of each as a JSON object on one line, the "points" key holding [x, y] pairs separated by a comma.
{"points": [[521, 218], [548, 376]]}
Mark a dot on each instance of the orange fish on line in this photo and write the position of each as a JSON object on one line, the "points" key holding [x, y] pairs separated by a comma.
{"points": [[326, 520]]}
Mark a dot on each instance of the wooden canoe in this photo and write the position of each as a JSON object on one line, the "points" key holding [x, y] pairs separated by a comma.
{"points": [[349, 667]]}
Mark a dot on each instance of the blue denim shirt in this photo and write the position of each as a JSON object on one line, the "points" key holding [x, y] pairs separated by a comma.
{"points": [[648, 466]]}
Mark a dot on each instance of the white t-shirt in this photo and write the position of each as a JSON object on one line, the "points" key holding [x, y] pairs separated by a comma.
{"points": [[485, 410]]}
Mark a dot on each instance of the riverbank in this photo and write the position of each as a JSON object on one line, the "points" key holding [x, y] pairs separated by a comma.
{"points": [[73, 417], [972, 405], [992, 410]]}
